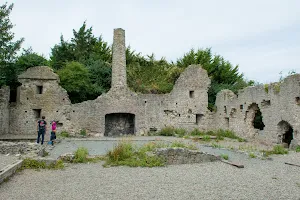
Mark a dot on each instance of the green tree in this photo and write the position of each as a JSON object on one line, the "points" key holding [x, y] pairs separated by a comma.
{"points": [[74, 77], [61, 53], [8, 48], [30, 59], [84, 47], [100, 77]]}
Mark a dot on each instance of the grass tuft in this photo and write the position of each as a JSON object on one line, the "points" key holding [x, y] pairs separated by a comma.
{"points": [[180, 132], [252, 155], [81, 155], [225, 156], [167, 131]]}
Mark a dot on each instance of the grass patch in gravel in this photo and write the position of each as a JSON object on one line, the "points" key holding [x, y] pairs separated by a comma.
{"points": [[252, 155], [277, 149], [217, 146], [29, 163], [81, 155], [126, 153]]}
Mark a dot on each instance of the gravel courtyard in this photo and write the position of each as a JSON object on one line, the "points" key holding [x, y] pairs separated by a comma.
{"points": [[260, 179]]}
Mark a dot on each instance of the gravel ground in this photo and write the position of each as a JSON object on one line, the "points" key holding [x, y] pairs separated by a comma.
{"points": [[260, 179], [7, 160]]}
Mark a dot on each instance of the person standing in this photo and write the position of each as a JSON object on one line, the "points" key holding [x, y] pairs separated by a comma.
{"points": [[41, 129], [53, 132]]}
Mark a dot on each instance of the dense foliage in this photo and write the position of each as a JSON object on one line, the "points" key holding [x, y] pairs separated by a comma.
{"points": [[8, 48], [84, 65]]}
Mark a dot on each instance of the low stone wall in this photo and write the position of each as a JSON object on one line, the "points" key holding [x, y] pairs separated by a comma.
{"points": [[20, 148], [176, 156]]}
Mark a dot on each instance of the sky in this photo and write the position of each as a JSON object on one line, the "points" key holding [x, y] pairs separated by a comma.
{"points": [[261, 36]]}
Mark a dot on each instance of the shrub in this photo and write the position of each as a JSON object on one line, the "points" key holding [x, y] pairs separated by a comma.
{"points": [[83, 132], [57, 165], [196, 132], [127, 154], [167, 131], [266, 86], [224, 156], [276, 88], [81, 155], [206, 138], [121, 152], [298, 149]]}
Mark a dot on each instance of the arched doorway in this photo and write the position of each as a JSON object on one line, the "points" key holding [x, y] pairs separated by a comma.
{"points": [[285, 132], [118, 124]]}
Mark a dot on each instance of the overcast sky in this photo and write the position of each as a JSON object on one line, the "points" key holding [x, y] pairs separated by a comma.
{"points": [[261, 36]]}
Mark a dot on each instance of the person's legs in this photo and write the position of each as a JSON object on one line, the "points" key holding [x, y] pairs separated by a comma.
{"points": [[43, 134], [38, 138], [52, 137]]}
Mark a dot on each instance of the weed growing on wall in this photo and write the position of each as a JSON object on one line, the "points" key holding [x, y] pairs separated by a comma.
{"points": [[64, 134], [266, 86]]}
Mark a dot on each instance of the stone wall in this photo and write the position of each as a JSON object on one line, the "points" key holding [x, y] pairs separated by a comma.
{"points": [[184, 107], [39, 95], [4, 110], [278, 102]]}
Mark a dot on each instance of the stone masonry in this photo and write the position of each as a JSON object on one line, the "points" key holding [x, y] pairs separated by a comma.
{"points": [[121, 111]]}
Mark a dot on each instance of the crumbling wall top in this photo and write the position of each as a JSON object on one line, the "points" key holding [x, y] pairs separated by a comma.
{"points": [[40, 73], [194, 76]]}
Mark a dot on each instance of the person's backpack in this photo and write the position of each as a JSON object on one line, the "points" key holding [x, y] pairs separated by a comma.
{"points": [[42, 124]]}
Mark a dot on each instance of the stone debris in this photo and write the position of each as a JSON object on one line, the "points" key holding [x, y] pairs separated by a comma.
{"points": [[176, 156], [21, 148]]}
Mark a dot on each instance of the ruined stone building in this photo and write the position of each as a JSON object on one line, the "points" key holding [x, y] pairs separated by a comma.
{"points": [[121, 111]]}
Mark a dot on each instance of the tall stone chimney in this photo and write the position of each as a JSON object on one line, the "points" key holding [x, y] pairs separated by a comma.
{"points": [[119, 78]]}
